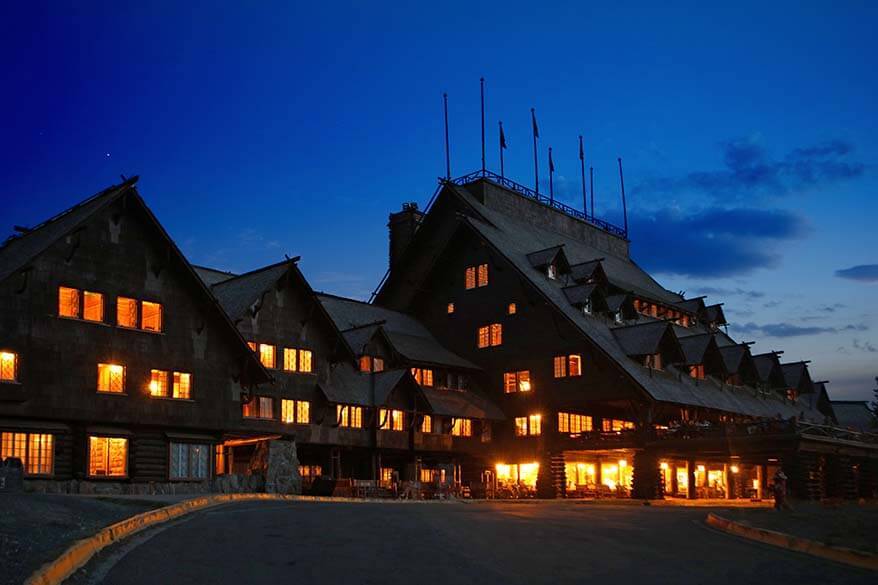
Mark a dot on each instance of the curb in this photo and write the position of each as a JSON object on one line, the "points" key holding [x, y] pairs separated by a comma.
{"points": [[81, 551], [847, 556]]}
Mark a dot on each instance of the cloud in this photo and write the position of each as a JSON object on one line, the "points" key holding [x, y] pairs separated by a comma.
{"points": [[790, 330], [712, 242], [727, 292], [749, 170], [865, 346], [860, 273]]}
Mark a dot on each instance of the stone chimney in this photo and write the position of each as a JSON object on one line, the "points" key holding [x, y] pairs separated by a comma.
{"points": [[403, 225]]}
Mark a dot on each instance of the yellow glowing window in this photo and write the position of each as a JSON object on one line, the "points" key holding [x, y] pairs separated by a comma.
{"points": [[496, 334], [574, 423], [266, 355], [390, 420], [310, 471], [68, 302], [252, 346], [303, 412], [512, 309], [158, 383], [470, 277], [423, 376], [560, 367], [220, 459], [349, 416], [427, 424], [107, 456], [8, 366], [111, 378], [126, 312], [574, 365], [93, 309], [182, 385], [484, 337], [250, 409], [523, 474], [516, 381], [612, 425], [36, 451], [306, 362], [295, 411], [534, 424], [287, 411], [462, 427], [150, 316], [520, 426], [450, 308], [483, 275], [290, 364]]}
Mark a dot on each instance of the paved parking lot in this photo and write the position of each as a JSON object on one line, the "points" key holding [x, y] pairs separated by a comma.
{"points": [[509, 543]]}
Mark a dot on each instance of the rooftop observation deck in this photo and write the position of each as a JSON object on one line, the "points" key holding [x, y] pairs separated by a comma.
{"points": [[542, 199]]}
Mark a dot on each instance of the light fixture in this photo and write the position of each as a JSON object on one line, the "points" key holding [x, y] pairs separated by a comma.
{"points": [[663, 465], [735, 469]]}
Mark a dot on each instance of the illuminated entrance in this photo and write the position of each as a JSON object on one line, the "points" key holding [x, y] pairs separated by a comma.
{"points": [[591, 474]]}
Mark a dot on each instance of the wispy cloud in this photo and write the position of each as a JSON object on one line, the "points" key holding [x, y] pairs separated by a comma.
{"points": [[861, 273], [729, 292], [790, 330], [712, 242], [749, 170], [865, 346]]}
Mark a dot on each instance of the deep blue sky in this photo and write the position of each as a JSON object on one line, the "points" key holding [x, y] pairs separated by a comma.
{"points": [[748, 136]]}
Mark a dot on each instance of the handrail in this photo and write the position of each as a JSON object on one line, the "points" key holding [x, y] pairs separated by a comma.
{"points": [[540, 198]]}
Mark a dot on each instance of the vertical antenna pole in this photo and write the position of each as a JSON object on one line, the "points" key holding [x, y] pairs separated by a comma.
{"points": [[536, 133], [502, 148], [582, 169], [591, 187], [447, 149], [482, 83], [551, 174], [624, 205]]}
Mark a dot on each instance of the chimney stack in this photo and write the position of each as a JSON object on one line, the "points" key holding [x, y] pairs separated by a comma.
{"points": [[403, 225]]}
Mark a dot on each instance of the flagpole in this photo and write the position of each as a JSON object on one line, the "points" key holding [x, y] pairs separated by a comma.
{"points": [[447, 149], [502, 146], [591, 187], [551, 174], [624, 205], [582, 168], [533, 117], [482, 84]]}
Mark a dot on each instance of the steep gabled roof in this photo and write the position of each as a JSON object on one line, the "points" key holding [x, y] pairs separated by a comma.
{"points": [[733, 356], [579, 294], [694, 348], [855, 414], [346, 385], [796, 375], [615, 302], [406, 334], [554, 255], [17, 251], [238, 294], [714, 314], [212, 276], [694, 305], [458, 404], [585, 271], [643, 338], [768, 369]]}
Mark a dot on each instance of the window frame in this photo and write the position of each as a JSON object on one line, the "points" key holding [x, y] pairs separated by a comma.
{"points": [[15, 366], [108, 438], [27, 444], [123, 391], [133, 303], [517, 378], [78, 291], [562, 366], [161, 316], [210, 452], [101, 306]]}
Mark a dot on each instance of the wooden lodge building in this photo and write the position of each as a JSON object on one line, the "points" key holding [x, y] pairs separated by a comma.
{"points": [[512, 349]]}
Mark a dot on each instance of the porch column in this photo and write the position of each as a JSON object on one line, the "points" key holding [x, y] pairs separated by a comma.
{"points": [[727, 477], [690, 475]]}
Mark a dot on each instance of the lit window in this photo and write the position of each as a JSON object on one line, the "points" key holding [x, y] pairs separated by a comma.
{"points": [[68, 302], [496, 334], [551, 271], [158, 383], [377, 364], [290, 359], [190, 461], [150, 316], [266, 407], [516, 381], [111, 378], [266, 355], [295, 411], [252, 346], [567, 365], [470, 278], [511, 309], [423, 376], [310, 471], [365, 363], [574, 423], [653, 361], [586, 306], [697, 371], [427, 424], [528, 425], [349, 416], [612, 425], [490, 335], [483, 275], [303, 412], [450, 308], [8, 366], [36, 451], [484, 336], [306, 362], [534, 424], [182, 385], [107, 456], [520, 426], [126, 312], [462, 427], [390, 420], [94, 306], [220, 460]]}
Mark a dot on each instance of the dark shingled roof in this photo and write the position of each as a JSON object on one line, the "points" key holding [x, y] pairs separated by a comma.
{"points": [[17, 251], [579, 294], [641, 339], [765, 363], [714, 314], [407, 335], [694, 348], [793, 373], [238, 294], [359, 337], [733, 356], [615, 302], [584, 270], [461, 404], [543, 258], [346, 385], [694, 305], [855, 414], [211, 276]]}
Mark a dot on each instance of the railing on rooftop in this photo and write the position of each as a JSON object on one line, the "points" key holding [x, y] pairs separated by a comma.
{"points": [[540, 198]]}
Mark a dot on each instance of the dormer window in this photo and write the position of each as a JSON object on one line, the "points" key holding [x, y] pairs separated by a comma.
{"points": [[586, 307], [697, 371], [617, 316], [551, 272], [653, 361]]}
